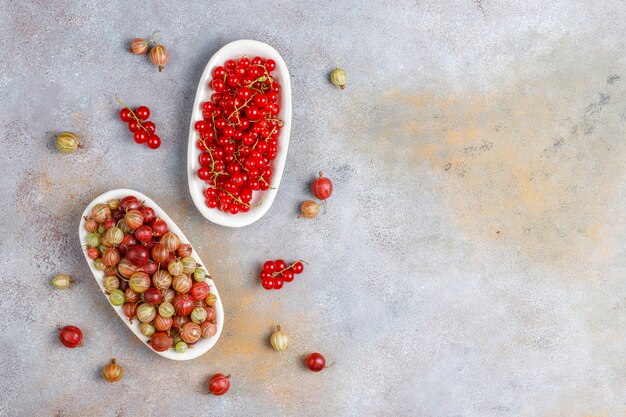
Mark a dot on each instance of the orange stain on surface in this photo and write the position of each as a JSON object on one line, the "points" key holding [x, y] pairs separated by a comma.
{"points": [[519, 161]]}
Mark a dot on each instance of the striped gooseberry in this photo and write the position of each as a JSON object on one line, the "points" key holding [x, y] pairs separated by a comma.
{"points": [[161, 341], [190, 332], [139, 282], [146, 313]]}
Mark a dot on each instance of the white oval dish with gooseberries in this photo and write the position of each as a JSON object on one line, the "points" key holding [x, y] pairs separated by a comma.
{"points": [[204, 344], [263, 110]]}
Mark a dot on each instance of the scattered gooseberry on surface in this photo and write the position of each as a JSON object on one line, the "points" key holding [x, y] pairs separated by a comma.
{"points": [[219, 384], [322, 187], [279, 340], [309, 209], [71, 336], [112, 372], [62, 281], [315, 362]]}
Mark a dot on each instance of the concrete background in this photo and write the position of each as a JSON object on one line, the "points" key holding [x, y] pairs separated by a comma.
{"points": [[471, 262]]}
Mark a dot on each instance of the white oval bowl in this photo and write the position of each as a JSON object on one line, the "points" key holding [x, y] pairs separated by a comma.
{"points": [[235, 50], [204, 344]]}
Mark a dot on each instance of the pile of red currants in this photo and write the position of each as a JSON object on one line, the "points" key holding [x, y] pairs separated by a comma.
{"points": [[142, 128], [276, 273], [238, 134]]}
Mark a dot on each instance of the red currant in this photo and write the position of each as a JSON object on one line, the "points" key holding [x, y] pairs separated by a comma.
{"points": [[272, 96], [268, 283], [246, 195], [260, 100], [218, 72], [253, 113], [232, 80], [219, 166], [239, 132], [244, 93], [280, 264], [244, 62], [150, 126], [218, 85], [204, 173], [210, 192], [254, 72], [231, 64], [218, 154], [278, 283], [154, 142], [126, 115], [269, 266], [288, 275], [201, 125], [142, 112], [140, 136], [134, 126], [205, 159], [298, 267]]}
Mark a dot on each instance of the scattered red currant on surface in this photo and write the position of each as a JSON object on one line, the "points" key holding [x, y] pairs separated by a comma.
{"points": [[275, 273], [138, 123]]}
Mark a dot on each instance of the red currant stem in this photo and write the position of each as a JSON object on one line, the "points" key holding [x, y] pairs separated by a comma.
{"points": [[209, 150], [241, 165], [263, 180], [287, 268], [268, 136], [260, 79], [237, 199], [213, 124], [280, 122], [331, 365], [237, 109], [139, 121]]}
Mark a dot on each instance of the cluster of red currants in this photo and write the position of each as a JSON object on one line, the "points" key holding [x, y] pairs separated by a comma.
{"points": [[238, 135], [142, 128], [276, 273]]}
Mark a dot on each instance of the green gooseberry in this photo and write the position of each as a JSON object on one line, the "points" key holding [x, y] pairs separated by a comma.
{"points": [[181, 347], [147, 329], [199, 275], [146, 313], [99, 265], [93, 240], [189, 265], [198, 315], [116, 297], [111, 282], [166, 309]]}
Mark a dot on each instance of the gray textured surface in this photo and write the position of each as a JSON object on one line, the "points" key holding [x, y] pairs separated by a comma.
{"points": [[470, 264]]}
